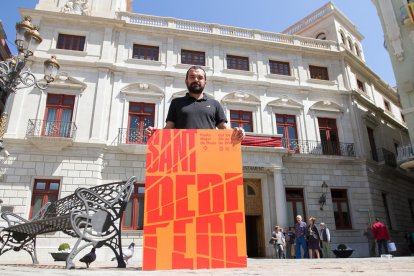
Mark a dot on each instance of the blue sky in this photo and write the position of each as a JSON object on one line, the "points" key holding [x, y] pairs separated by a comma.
{"points": [[267, 15]]}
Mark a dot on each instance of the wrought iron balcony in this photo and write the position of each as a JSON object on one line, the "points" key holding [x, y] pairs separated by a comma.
{"points": [[131, 136], [386, 156], [405, 157], [318, 147], [58, 129]]}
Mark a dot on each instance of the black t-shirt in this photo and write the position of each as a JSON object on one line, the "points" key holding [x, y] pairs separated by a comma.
{"points": [[188, 113]]}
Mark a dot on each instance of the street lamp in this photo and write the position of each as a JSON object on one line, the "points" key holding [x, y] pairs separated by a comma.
{"points": [[13, 72], [322, 199]]}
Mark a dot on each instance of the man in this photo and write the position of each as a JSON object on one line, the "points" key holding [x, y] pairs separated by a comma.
{"points": [[196, 110], [325, 240], [301, 232], [381, 235], [371, 241]]}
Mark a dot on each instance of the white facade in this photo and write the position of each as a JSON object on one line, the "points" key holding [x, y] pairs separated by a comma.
{"points": [[399, 41], [105, 80]]}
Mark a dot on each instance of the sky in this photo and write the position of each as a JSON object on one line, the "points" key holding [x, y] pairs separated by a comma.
{"points": [[266, 15]]}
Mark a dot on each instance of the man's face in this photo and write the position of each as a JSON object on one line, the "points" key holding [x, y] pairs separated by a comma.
{"points": [[195, 81], [298, 219]]}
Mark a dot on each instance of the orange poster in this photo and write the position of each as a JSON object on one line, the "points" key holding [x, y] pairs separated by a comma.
{"points": [[194, 204]]}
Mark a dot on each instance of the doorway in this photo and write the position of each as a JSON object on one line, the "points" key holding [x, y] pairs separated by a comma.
{"points": [[255, 240], [252, 236]]}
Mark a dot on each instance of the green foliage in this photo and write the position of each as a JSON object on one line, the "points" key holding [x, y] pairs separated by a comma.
{"points": [[64, 247], [342, 247]]}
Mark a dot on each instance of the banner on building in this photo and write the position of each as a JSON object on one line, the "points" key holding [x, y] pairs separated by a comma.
{"points": [[410, 11], [194, 203]]}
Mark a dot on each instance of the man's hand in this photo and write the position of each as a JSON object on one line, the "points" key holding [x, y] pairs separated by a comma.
{"points": [[149, 131], [238, 135]]}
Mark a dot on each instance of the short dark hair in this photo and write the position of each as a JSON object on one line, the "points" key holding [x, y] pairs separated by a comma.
{"points": [[196, 67]]}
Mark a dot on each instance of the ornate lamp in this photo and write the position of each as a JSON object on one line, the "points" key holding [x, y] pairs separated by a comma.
{"points": [[13, 72], [322, 199]]}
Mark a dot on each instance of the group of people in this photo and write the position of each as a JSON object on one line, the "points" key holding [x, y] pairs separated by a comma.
{"points": [[302, 241], [377, 235]]}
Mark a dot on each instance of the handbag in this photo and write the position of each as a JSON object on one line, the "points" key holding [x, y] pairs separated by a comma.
{"points": [[391, 247], [272, 241]]}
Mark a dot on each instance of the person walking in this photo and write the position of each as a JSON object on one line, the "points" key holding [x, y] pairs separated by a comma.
{"points": [[279, 242], [381, 235], [290, 243], [325, 236], [371, 241], [314, 239], [301, 232]]}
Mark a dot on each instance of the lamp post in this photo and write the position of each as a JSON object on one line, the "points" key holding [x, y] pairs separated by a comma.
{"points": [[322, 199], [13, 72]]}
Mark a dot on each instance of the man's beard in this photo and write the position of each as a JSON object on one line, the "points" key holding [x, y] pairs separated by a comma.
{"points": [[195, 88]]}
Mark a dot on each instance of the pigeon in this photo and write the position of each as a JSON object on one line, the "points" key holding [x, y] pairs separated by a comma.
{"points": [[127, 253], [89, 258]]}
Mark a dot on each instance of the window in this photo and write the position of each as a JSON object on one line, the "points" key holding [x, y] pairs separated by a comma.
{"points": [[295, 203], [357, 50], [286, 125], [58, 115], [321, 36], [387, 105], [350, 44], [133, 218], [237, 63], [342, 37], [329, 136], [372, 145], [250, 191], [341, 209], [193, 57], [44, 191], [318, 72], [243, 119], [360, 85], [141, 116], [145, 52], [71, 42], [279, 68]]}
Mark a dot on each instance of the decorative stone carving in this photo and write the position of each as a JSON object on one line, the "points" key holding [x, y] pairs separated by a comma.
{"points": [[76, 7]]}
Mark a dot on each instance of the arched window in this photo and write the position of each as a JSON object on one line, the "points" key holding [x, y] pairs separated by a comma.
{"points": [[321, 36], [357, 50], [350, 44], [250, 191], [342, 37]]}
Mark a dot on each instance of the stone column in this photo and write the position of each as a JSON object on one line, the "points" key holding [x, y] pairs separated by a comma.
{"points": [[280, 197]]}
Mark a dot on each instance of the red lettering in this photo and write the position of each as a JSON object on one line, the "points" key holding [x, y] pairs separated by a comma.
{"points": [[182, 182], [160, 205], [210, 193]]}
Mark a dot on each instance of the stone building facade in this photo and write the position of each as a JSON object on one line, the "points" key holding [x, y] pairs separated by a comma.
{"points": [[308, 87]]}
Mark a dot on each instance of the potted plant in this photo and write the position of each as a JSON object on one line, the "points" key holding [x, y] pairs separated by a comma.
{"points": [[63, 253], [342, 251]]}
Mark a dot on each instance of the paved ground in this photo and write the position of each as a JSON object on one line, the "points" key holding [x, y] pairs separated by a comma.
{"points": [[332, 267]]}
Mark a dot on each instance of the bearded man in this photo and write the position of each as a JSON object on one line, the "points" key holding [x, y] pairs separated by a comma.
{"points": [[196, 110]]}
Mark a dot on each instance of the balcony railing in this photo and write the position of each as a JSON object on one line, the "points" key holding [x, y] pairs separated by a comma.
{"points": [[131, 136], [39, 128], [386, 156], [214, 29], [261, 140], [405, 157], [318, 147]]}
